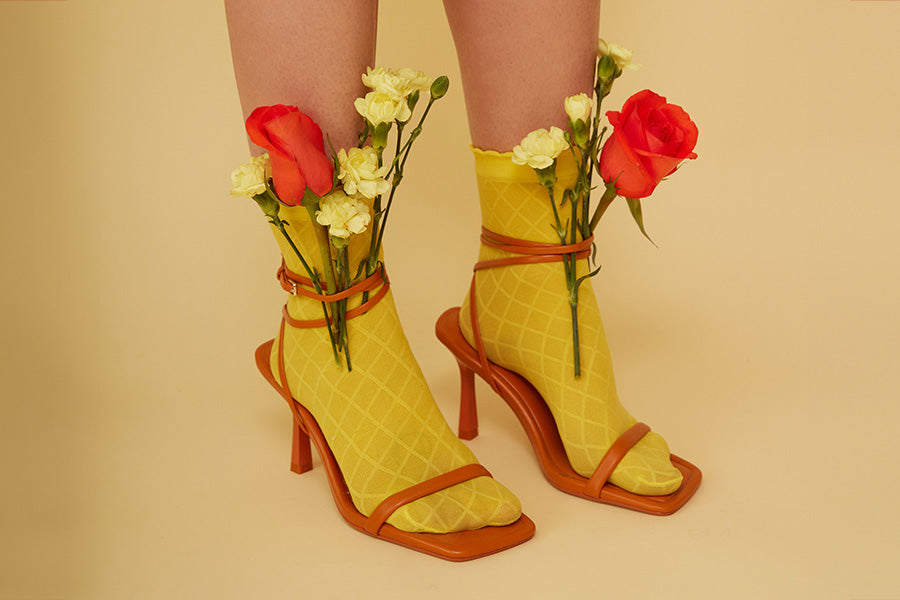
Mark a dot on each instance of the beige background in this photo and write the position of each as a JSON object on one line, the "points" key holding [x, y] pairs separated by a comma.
{"points": [[144, 457]]}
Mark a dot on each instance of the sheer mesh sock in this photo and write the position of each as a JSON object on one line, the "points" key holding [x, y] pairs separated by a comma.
{"points": [[380, 419], [525, 323]]}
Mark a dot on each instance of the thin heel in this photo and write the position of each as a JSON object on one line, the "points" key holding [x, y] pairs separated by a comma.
{"points": [[301, 453], [468, 411]]}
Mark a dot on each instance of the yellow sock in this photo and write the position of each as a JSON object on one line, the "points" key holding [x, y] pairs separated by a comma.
{"points": [[380, 419], [526, 326]]}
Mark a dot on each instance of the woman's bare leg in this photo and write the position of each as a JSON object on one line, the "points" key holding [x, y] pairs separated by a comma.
{"points": [[519, 60], [304, 52]]}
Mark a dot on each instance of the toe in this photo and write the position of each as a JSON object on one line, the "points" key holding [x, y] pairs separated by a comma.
{"points": [[647, 468], [468, 505]]}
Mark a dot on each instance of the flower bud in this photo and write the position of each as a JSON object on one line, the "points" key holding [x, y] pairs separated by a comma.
{"points": [[268, 204], [606, 69], [439, 87], [621, 56], [579, 107], [580, 130]]}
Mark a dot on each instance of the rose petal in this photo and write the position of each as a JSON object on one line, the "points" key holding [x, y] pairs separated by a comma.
{"points": [[289, 182], [302, 140], [619, 163], [657, 166], [259, 119], [677, 115]]}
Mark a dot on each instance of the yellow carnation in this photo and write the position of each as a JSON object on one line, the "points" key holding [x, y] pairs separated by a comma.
{"points": [[360, 173], [415, 80], [540, 148], [397, 84], [621, 56], [380, 107], [343, 215], [250, 179]]}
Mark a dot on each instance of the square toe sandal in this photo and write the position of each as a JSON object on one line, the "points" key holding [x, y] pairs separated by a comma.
{"points": [[530, 408], [455, 546]]}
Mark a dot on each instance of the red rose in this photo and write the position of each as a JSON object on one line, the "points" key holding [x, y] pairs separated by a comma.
{"points": [[296, 151], [650, 138]]}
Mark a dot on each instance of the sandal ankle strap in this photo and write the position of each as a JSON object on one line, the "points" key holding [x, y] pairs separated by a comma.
{"points": [[529, 252], [298, 285]]}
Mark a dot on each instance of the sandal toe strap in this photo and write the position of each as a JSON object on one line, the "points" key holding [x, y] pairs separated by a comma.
{"points": [[613, 457], [390, 504]]}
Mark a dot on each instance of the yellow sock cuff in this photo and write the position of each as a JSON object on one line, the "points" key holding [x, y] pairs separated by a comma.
{"points": [[490, 164], [513, 202]]}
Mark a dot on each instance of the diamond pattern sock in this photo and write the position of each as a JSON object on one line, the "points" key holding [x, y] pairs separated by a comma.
{"points": [[380, 419], [525, 322]]}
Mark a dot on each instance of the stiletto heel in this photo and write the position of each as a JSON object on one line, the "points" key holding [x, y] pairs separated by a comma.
{"points": [[301, 453], [468, 411]]}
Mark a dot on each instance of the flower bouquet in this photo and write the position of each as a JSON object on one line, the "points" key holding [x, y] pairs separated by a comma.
{"points": [[346, 191], [650, 139]]}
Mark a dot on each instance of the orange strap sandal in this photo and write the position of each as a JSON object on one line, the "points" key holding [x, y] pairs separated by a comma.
{"points": [[530, 408], [456, 546]]}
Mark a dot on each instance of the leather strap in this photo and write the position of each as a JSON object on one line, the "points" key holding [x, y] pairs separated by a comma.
{"points": [[390, 504], [528, 253], [613, 457], [302, 286], [282, 380], [531, 252]]}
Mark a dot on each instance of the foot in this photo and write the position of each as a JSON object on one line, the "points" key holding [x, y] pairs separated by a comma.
{"points": [[382, 424], [525, 323]]}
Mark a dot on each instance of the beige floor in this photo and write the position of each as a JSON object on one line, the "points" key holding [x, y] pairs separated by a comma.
{"points": [[143, 457]]}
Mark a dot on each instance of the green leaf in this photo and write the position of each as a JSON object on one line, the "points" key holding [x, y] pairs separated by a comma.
{"points": [[634, 205], [581, 279], [359, 269], [412, 100]]}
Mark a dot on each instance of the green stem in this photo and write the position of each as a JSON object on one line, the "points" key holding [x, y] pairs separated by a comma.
{"points": [[324, 249], [280, 225], [327, 266], [571, 274], [344, 277], [584, 193], [573, 305], [315, 281], [413, 135], [376, 219], [373, 256], [559, 228], [398, 163]]}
